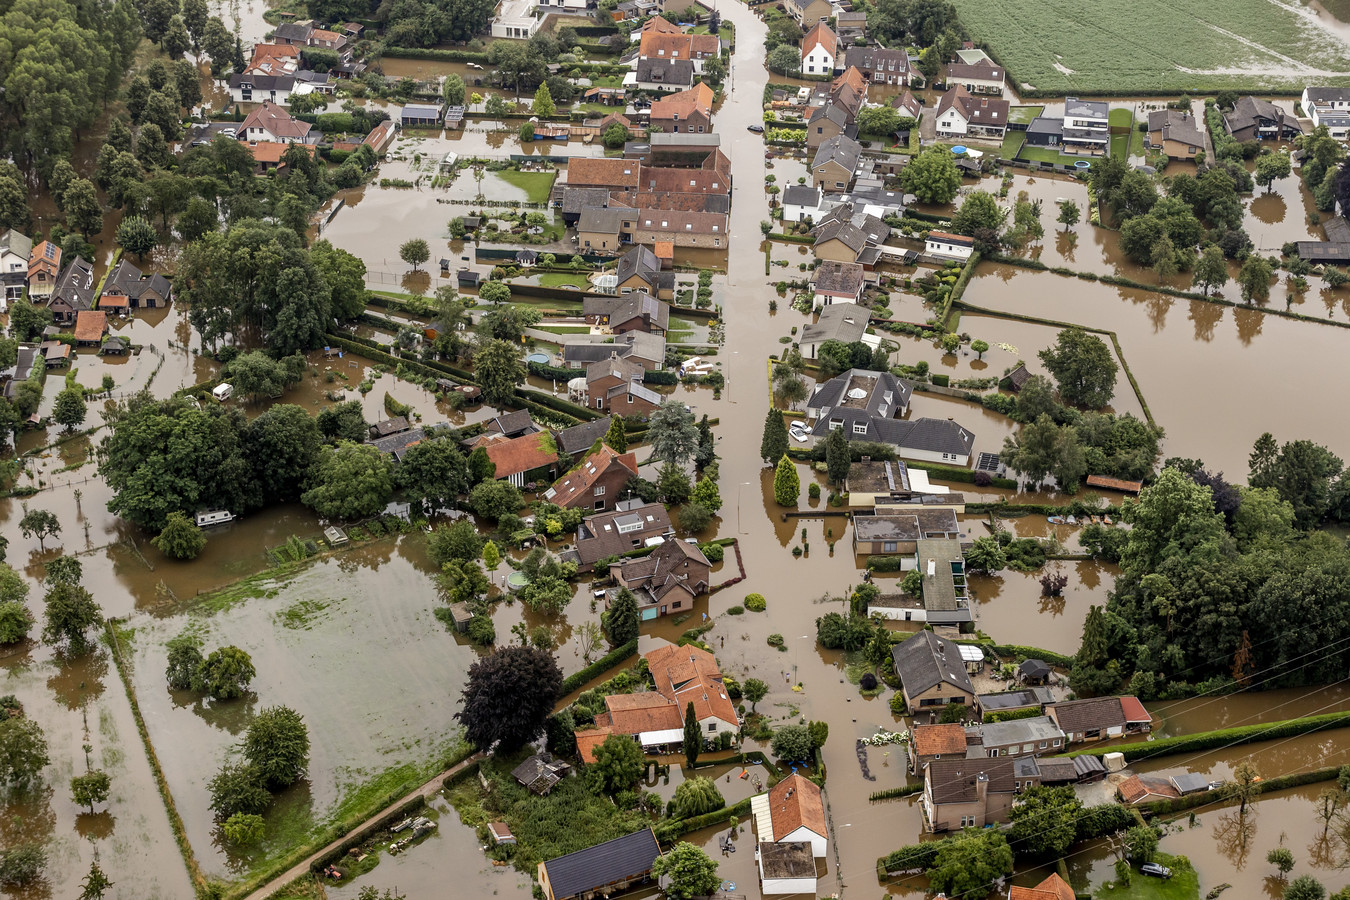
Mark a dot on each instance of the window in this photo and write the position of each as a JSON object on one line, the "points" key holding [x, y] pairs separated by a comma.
{"points": [[1042, 745], [860, 428], [712, 726], [599, 402], [836, 424], [677, 604], [600, 492], [717, 242], [888, 546]]}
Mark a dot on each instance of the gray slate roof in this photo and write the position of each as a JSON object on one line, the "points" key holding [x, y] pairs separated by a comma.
{"points": [[840, 149], [802, 195], [839, 277], [129, 280], [676, 72], [594, 867], [261, 82], [1017, 731], [17, 243], [580, 438], [834, 393], [926, 660], [1319, 95], [613, 533], [838, 322]]}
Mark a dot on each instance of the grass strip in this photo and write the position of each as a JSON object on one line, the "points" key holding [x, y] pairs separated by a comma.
{"points": [[1223, 737]]}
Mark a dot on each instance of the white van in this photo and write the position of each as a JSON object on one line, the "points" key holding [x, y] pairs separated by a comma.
{"points": [[222, 392], [208, 517]]}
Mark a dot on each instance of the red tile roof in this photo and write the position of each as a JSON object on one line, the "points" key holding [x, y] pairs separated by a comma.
{"points": [[613, 173], [1134, 710], [1137, 788], [684, 103], [113, 301], [588, 740], [939, 740], [690, 675], [532, 451], [271, 152], [1114, 484], [1052, 888], [90, 325], [795, 802], [578, 483], [637, 713], [820, 35]]}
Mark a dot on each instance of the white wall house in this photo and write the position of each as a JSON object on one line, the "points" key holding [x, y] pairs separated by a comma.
{"points": [[792, 811], [949, 246], [1328, 106], [820, 47]]}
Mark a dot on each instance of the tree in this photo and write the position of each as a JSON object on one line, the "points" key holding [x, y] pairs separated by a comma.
{"points": [[414, 252], [15, 622], [96, 883], [181, 537], [672, 433], [86, 790], [1141, 842], [618, 762], [1211, 270], [1069, 214], [792, 743], [26, 321], [621, 621], [350, 481], [71, 611], [696, 796], [185, 659], [787, 487], [22, 865], [458, 541], [838, 459], [543, 102], [986, 555], [343, 422], [225, 674], [616, 135], [244, 829], [452, 90], [706, 495], [23, 749], [499, 369], [496, 292], [1083, 367], [966, 865], [492, 557], [238, 788], [135, 235], [774, 444], [1271, 167], [693, 736], [277, 746], [879, 120], [1245, 786], [979, 210], [1254, 279], [692, 872], [1044, 823], [784, 60], [257, 375], [1282, 859], [1164, 258], [616, 437], [1304, 887], [82, 208], [494, 500], [507, 697], [932, 176], [70, 408], [345, 274], [754, 691], [433, 473]]}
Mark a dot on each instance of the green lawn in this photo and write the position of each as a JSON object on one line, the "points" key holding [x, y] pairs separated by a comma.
{"points": [[558, 279], [1120, 118], [1137, 142], [1012, 143], [565, 329], [1183, 885], [536, 185], [1023, 115], [1119, 48]]}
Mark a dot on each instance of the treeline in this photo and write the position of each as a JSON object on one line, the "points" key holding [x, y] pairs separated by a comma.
{"points": [[1226, 586]]}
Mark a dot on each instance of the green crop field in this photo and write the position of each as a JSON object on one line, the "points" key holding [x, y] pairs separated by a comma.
{"points": [[1058, 47]]}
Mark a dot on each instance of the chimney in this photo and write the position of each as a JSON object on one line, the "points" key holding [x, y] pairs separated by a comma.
{"points": [[982, 789]]}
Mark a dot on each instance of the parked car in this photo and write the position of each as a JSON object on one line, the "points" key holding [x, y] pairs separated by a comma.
{"points": [[757, 129], [1156, 870]]}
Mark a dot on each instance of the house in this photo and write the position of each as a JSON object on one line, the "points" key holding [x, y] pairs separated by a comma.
{"points": [[786, 868], [859, 394], [515, 19], [982, 77], [74, 291], [839, 240], [665, 40], [579, 439], [273, 59], [800, 202], [667, 580], [961, 114], [808, 12], [931, 672], [399, 443], [933, 742], [605, 229], [140, 290], [1137, 719], [838, 282], [1328, 106], [268, 155], [945, 599], [967, 793], [601, 870], [689, 111], [646, 717], [635, 311], [835, 323], [611, 174], [540, 773], [820, 48], [44, 264], [524, 459], [889, 484], [421, 115], [793, 811], [1052, 888], [908, 105], [880, 65], [659, 75], [1034, 671], [294, 34], [867, 405], [1257, 119], [944, 245], [829, 121], [685, 675], [54, 353], [1045, 131], [513, 424], [596, 483], [1145, 788], [258, 86], [615, 385], [15, 251], [1176, 133], [629, 526], [1087, 126], [90, 326], [870, 203], [387, 427], [640, 270], [647, 350], [1099, 718], [1013, 701], [270, 122], [835, 163], [900, 532], [1016, 737]]}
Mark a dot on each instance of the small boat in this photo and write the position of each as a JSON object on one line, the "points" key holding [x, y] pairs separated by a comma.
{"points": [[1107, 520], [1096, 520], [1055, 520], [1070, 520], [474, 65]]}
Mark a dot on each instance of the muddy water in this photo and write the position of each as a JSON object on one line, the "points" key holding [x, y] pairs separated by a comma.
{"points": [[1011, 605]]}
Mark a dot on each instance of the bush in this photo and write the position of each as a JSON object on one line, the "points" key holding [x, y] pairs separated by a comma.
{"points": [[736, 611], [776, 640], [603, 664], [898, 705], [813, 490], [755, 603], [714, 552]]}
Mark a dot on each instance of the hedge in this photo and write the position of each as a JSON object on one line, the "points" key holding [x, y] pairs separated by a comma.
{"points": [[600, 666], [670, 829], [660, 378], [950, 473], [912, 856], [1224, 737], [891, 794], [554, 373], [1019, 651], [1278, 783], [1009, 715], [885, 563]]}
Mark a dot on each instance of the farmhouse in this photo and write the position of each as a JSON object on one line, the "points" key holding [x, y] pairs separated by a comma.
{"points": [[74, 291], [256, 87], [667, 580], [1257, 119], [1176, 133], [604, 869], [959, 113], [982, 77], [933, 742], [880, 65], [931, 672], [820, 48], [967, 793], [140, 290]]}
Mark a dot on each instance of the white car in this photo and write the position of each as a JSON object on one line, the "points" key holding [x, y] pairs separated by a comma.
{"points": [[800, 435]]}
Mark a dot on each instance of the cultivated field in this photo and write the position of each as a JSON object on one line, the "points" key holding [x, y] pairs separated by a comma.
{"points": [[1158, 46]]}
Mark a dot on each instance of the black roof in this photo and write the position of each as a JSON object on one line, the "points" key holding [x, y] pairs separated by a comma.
{"points": [[594, 867], [1034, 668], [580, 438], [926, 660]]}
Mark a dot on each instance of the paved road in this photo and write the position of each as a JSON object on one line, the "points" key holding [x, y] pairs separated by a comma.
{"points": [[426, 791]]}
